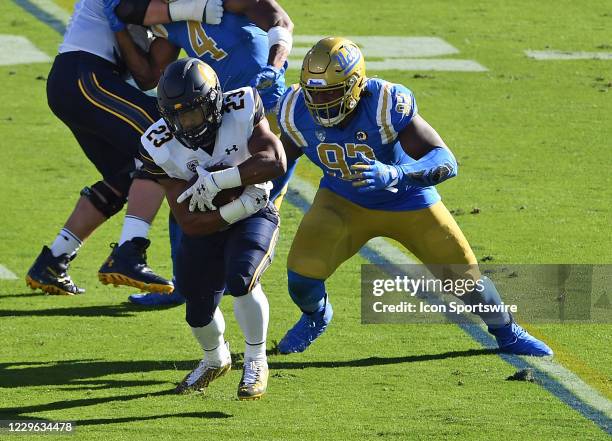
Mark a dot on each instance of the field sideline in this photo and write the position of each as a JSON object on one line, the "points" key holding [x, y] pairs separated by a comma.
{"points": [[531, 137]]}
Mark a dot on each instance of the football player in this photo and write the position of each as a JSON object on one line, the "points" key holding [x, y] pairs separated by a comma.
{"points": [[226, 248], [248, 47], [381, 162], [86, 89]]}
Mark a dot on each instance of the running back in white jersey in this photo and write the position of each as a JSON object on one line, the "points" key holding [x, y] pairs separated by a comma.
{"points": [[164, 155], [89, 31]]}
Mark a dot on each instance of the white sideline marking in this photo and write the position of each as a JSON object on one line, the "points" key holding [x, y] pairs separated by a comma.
{"points": [[562, 375], [6, 273], [570, 380], [567, 55], [15, 49]]}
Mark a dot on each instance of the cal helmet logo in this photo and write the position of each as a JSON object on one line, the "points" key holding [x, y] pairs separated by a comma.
{"points": [[192, 165], [348, 57], [207, 73]]}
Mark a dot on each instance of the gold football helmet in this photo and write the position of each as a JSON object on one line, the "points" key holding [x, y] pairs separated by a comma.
{"points": [[333, 76]]}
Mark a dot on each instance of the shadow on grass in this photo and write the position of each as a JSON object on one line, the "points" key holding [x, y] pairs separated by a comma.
{"points": [[104, 421], [121, 310], [81, 373]]}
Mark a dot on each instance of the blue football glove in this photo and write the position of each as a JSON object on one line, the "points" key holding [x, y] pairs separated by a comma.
{"points": [[373, 175], [267, 77], [270, 83], [115, 24]]}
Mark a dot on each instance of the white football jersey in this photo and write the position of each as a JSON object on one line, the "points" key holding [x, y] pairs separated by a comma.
{"points": [[89, 31], [165, 155]]}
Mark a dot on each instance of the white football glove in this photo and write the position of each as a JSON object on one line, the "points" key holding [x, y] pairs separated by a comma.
{"points": [[208, 11], [213, 12], [255, 197], [202, 192]]}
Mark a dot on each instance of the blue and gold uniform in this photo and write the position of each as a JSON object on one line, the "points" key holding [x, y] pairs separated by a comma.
{"points": [[350, 127], [342, 219]]}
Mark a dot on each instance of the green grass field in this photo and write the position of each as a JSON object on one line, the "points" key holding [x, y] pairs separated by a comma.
{"points": [[533, 140]]}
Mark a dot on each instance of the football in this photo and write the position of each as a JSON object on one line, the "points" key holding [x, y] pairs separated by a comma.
{"points": [[224, 196]]}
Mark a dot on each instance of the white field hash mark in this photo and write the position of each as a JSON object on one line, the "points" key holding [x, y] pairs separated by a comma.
{"points": [[395, 53], [16, 49], [562, 375], [6, 273], [568, 55]]}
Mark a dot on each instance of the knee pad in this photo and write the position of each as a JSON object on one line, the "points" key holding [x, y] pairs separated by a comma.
{"points": [[132, 11], [238, 285], [104, 199], [197, 314], [305, 292]]}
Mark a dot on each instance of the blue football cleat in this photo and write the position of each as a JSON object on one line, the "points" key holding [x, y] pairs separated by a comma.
{"points": [[157, 299], [513, 339], [306, 330]]}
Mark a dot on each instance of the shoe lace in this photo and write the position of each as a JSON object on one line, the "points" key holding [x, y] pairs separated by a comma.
{"points": [[252, 371], [197, 372]]}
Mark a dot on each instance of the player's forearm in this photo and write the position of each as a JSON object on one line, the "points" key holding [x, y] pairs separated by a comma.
{"points": [[198, 223], [137, 61], [152, 12], [263, 167], [435, 167]]}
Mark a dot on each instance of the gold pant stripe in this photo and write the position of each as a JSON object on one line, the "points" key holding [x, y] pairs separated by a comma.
{"points": [[107, 109], [123, 100], [263, 265]]}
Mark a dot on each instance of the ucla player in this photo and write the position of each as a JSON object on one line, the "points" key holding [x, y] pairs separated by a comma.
{"points": [[86, 90], [380, 161], [249, 47], [226, 248]]}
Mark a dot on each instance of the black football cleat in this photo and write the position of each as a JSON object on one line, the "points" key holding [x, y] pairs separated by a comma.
{"points": [[49, 274], [127, 266]]}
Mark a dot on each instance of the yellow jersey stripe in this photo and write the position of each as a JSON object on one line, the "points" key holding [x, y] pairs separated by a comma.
{"points": [[385, 115], [288, 121]]}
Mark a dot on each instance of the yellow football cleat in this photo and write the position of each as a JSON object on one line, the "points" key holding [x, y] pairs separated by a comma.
{"points": [[254, 381]]}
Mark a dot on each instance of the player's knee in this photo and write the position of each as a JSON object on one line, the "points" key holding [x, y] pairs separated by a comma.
{"points": [[238, 284], [105, 199], [198, 314], [132, 11], [305, 291]]}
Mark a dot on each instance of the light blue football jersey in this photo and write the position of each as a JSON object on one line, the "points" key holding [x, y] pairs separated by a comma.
{"points": [[384, 110], [236, 49]]}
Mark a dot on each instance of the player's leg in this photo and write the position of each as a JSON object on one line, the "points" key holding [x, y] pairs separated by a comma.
{"points": [[249, 251], [434, 237], [200, 275], [108, 136], [331, 232], [158, 298], [127, 263], [138, 110]]}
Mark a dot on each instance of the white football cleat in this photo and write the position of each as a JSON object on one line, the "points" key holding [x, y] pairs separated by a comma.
{"points": [[205, 372]]}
